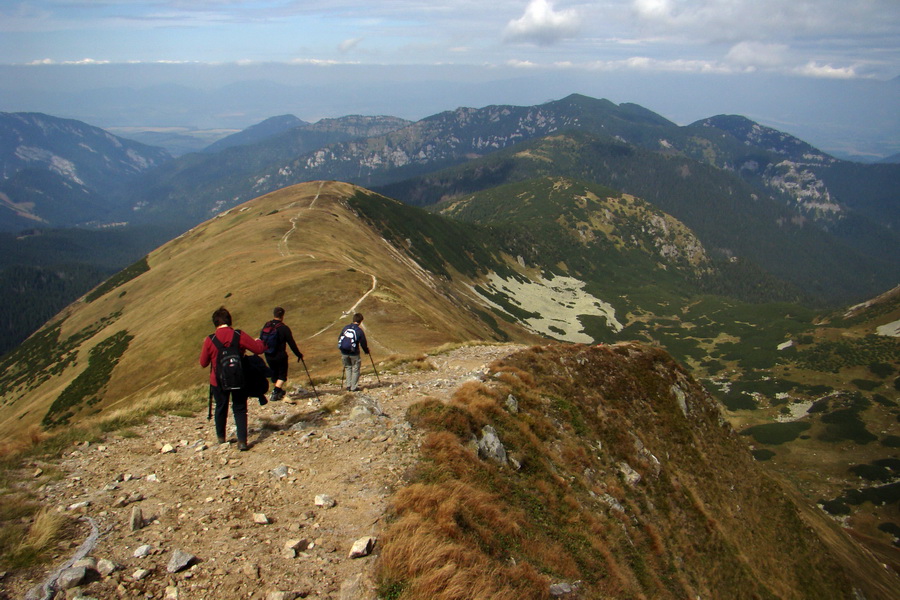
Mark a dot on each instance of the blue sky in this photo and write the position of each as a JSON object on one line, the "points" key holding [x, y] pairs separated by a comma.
{"points": [[823, 69]]}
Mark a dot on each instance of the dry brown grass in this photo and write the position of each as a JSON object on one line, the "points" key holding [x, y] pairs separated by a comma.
{"points": [[45, 530], [479, 400], [450, 541], [396, 363], [458, 530], [33, 438]]}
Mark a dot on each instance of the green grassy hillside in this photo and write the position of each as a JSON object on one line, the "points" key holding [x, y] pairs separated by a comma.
{"points": [[733, 219]]}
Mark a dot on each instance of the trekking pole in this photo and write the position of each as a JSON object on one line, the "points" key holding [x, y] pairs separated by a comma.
{"points": [[374, 369], [310, 380]]}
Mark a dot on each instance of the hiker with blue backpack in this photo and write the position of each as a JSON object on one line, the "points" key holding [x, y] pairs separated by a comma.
{"points": [[223, 352], [277, 336], [352, 338]]}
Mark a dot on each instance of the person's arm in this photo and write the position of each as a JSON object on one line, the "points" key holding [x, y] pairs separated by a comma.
{"points": [[289, 338], [256, 346], [362, 340], [206, 352]]}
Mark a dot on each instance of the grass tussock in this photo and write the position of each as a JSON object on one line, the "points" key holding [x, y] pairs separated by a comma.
{"points": [[46, 529], [396, 363], [450, 541], [27, 532]]}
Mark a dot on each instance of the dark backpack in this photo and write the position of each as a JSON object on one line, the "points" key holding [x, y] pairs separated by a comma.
{"points": [[269, 336], [229, 370], [347, 341], [256, 375]]}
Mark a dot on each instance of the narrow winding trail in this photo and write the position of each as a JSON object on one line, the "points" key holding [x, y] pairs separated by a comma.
{"points": [[284, 250], [208, 500]]}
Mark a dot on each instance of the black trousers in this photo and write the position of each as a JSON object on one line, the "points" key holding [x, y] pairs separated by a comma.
{"points": [[279, 367], [238, 408]]}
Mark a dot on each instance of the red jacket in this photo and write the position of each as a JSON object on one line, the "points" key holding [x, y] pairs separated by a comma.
{"points": [[209, 354]]}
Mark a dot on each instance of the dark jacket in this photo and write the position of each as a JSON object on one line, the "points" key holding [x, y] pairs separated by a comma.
{"points": [[360, 339], [284, 338]]}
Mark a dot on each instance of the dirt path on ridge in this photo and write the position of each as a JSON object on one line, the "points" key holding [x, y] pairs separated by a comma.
{"points": [[203, 498]]}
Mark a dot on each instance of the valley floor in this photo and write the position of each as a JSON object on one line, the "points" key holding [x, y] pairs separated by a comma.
{"points": [[207, 499]]}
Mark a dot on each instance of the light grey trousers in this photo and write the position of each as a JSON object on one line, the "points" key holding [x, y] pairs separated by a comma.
{"points": [[351, 370]]}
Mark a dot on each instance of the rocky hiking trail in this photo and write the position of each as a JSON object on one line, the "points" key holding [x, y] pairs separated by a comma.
{"points": [[276, 522]]}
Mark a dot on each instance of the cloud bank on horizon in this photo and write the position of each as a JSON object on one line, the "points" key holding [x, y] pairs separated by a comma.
{"points": [[808, 38]]}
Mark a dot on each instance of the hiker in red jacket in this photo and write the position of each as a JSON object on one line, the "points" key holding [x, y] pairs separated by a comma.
{"points": [[209, 356]]}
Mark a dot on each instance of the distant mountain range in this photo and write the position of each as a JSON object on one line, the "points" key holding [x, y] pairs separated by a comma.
{"points": [[61, 173]]}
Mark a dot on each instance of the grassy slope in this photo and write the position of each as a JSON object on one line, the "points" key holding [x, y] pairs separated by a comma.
{"points": [[703, 521], [244, 260]]}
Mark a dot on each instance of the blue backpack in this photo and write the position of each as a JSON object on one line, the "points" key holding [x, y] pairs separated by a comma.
{"points": [[269, 336], [347, 342]]}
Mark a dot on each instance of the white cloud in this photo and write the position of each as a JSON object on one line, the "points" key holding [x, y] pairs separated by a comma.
{"points": [[653, 9], [648, 64], [348, 45], [542, 25], [814, 69], [83, 61], [753, 55], [318, 62]]}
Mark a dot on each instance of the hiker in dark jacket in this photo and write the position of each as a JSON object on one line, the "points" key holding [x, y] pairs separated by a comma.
{"points": [[276, 351], [209, 356], [351, 340]]}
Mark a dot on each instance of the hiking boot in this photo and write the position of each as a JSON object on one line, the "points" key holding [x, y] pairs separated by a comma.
{"points": [[220, 439], [263, 401], [242, 446], [276, 395]]}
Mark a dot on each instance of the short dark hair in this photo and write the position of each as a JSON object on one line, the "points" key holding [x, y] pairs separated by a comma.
{"points": [[278, 312], [357, 318], [221, 317]]}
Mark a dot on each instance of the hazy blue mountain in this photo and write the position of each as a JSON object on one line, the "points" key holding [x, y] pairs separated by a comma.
{"points": [[270, 127], [191, 188], [61, 172], [177, 142]]}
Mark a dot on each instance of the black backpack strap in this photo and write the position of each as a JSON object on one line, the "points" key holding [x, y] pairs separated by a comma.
{"points": [[235, 340], [219, 345]]}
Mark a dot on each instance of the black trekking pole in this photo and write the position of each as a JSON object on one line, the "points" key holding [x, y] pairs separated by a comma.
{"points": [[374, 369], [310, 380]]}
